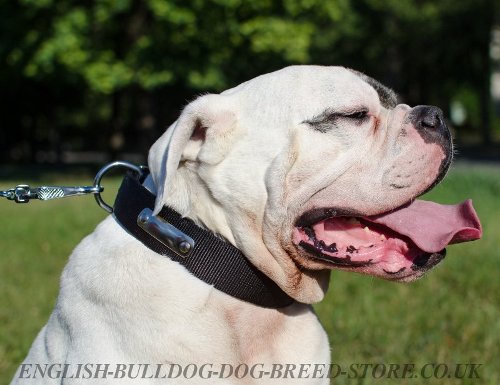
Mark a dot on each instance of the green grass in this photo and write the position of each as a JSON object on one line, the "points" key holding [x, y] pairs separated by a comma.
{"points": [[36, 239], [451, 316]]}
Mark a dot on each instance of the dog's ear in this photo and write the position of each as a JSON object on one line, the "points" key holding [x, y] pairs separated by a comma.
{"points": [[202, 133]]}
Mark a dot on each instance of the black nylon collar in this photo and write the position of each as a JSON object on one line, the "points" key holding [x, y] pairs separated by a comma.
{"points": [[212, 260]]}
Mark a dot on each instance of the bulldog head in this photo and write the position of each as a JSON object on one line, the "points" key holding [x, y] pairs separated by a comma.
{"points": [[312, 168]]}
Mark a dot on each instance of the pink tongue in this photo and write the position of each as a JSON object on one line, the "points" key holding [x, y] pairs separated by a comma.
{"points": [[432, 226]]}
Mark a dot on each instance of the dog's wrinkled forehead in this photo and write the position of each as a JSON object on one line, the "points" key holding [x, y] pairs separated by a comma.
{"points": [[388, 97], [302, 92]]}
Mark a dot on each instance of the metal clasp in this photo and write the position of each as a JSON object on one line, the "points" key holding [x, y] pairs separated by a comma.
{"points": [[23, 193], [97, 180], [170, 236]]}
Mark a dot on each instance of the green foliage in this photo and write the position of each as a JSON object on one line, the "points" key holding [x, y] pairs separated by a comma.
{"points": [[289, 38], [112, 45], [470, 100], [57, 55], [153, 43]]}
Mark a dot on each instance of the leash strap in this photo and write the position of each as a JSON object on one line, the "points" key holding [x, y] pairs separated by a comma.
{"points": [[212, 259]]}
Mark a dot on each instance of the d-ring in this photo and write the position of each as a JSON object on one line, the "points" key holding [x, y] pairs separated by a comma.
{"points": [[104, 170]]}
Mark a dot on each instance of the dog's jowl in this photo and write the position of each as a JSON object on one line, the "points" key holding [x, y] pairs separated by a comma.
{"points": [[286, 176]]}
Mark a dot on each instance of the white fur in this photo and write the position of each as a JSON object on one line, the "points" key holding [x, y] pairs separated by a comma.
{"points": [[255, 167]]}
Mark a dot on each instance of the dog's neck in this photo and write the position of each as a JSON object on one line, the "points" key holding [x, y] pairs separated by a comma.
{"points": [[190, 196], [179, 198]]}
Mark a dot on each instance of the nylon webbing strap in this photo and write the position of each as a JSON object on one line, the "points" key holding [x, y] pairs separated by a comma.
{"points": [[212, 260]]}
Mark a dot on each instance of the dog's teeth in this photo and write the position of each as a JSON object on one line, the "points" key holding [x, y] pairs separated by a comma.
{"points": [[351, 249], [332, 248], [319, 244], [367, 230], [353, 221], [383, 238]]}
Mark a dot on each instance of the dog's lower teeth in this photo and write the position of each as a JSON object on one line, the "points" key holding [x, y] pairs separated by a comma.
{"points": [[332, 248], [351, 249], [320, 244]]}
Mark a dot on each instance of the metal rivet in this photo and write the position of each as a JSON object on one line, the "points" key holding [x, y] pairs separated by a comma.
{"points": [[184, 247], [164, 232]]}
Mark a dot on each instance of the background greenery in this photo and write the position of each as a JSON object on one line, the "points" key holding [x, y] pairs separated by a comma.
{"points": [[450, 316], [109, 75]]}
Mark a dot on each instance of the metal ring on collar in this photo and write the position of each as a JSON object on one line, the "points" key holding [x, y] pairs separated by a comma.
{"points": [[97, 180]]}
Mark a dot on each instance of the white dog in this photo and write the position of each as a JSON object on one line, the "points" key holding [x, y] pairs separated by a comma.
{"points": [[302, 170]]}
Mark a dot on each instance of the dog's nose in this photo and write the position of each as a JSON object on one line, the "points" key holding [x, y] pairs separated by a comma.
{"points": [[432, 118], [428, 118]]}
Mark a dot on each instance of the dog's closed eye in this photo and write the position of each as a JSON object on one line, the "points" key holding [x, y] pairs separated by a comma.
{"points": [[329, 119], [358, 115]]}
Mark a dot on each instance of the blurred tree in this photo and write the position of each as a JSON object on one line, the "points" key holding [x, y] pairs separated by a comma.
{"points": [[77, 71]]}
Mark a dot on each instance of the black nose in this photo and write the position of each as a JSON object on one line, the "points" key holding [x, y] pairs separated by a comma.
{"points": [[428, 118], [432, 119]]}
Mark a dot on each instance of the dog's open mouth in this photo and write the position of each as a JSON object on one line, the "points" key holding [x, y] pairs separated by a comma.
{"points": [[402, 243]]}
